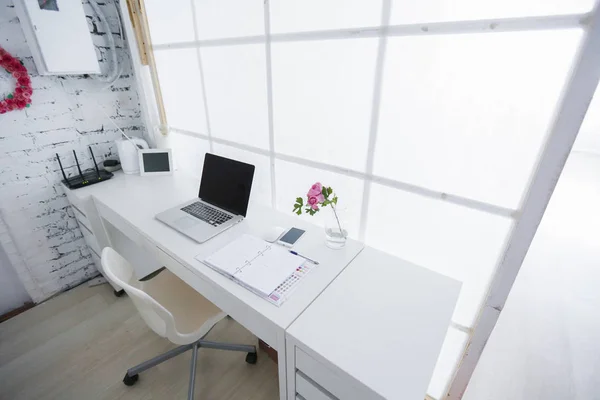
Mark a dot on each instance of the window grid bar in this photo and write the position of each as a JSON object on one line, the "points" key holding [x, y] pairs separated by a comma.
{"points": [[199, 57], [267, 17], [240, 146], [379, 63], [382, 32], [568, 21], [404, 186], [551, 22], [569, 114]]}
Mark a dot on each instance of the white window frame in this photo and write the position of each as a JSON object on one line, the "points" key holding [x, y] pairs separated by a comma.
{"points": [[569, 113]]}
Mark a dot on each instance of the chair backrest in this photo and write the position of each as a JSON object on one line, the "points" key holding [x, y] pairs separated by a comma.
{"points": [[120, 271]]}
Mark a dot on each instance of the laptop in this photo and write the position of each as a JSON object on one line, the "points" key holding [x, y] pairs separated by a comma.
{"points": [[222, 201]]}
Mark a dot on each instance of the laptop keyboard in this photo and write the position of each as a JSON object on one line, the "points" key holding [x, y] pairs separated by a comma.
{"points": [[206, 213]]}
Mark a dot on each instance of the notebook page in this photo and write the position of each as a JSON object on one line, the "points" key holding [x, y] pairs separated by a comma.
{"points": [[234, 256], [270, 269]]}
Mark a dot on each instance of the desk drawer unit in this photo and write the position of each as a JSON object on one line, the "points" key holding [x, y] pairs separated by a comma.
{"points": [[308, 389], [85, 212], [90, 239], [81, 216], [97, 261], [86, 227], [314, 380], [74, 199]]}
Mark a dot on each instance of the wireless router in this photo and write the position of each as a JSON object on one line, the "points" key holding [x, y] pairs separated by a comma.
{"points": [[86, 178]]}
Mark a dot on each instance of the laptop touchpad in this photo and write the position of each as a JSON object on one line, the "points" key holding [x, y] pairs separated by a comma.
{"points": [[185, 222]]}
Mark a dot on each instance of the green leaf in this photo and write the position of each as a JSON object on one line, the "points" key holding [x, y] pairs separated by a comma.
{"points": [[334, 200], [297, 208], [329, 191], [324, 191], [298, 205]]}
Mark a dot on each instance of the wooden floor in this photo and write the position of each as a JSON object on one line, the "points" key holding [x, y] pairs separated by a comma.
{"points": [[79, 344]]}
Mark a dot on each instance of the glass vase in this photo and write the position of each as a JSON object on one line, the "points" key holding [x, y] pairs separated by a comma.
{"points": [[335, 228]]}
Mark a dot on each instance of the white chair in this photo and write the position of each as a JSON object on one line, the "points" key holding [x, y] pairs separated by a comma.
{"points": [[173, 310]]}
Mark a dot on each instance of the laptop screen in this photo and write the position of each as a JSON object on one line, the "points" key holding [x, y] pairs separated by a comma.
{"points": [[226, 183]]}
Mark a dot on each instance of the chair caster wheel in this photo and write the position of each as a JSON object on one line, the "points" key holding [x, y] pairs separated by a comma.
{"points": [[251, 358], [130, 380], [119, 293]]}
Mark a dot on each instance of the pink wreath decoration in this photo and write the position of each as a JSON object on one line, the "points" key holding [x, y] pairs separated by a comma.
{"points": [[21, 97]]}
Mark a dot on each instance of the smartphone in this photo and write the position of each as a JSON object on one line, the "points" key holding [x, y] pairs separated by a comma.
{"points": [[290, 237]]}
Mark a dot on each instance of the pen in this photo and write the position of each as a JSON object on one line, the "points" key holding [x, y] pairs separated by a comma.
{"points": [[306, 258]]}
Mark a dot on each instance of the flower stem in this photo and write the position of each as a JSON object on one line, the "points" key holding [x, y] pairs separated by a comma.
{"points": [[338, 221]]}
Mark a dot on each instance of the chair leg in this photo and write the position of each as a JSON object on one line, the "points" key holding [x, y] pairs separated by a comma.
{"points": [[251, 357], [131, 376], [227, 346], [193, 372], [158, 359]]}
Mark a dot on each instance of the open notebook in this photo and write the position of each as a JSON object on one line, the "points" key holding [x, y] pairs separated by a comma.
{"points": [[260, 266]]}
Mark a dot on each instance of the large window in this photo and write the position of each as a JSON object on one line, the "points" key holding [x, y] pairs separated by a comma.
{"points": [[427, 117]]}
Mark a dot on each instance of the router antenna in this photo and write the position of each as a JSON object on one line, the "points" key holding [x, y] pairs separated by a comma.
{"points": [[63, 171], [95, 165], [78, 167]]}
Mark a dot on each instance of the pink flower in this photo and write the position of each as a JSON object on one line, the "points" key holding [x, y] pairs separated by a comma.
{"points": [[315, 189], [313, 202]]}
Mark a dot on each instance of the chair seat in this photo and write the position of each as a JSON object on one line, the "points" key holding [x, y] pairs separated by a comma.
{"points": [[173, 310], [194, 315]]}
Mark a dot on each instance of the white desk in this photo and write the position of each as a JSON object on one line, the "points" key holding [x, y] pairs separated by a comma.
{"points": [[359, 327], [374, 333], [129, 204]]}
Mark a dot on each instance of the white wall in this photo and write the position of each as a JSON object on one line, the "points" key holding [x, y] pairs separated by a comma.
{"points": [[546, 344], [65, 115]]}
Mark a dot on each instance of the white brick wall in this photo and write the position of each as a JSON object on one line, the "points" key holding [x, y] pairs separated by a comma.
{"points": [[40, 232]]}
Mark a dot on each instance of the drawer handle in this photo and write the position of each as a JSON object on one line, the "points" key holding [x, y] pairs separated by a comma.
{"points": [[93, 251], [80, 212], [86, 228], [315, 384]]}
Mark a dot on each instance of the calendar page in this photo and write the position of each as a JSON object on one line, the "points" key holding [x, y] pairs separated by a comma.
{"points": [[283, 291]]}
